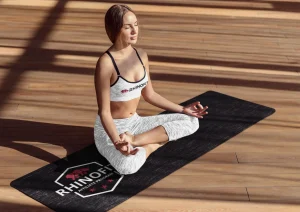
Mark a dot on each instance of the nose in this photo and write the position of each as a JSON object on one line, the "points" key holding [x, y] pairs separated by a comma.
{"points": [[134, 30]]}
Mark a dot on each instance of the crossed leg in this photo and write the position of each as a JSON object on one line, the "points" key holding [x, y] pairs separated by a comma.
{"points": [[152, 132], [157, 132]]}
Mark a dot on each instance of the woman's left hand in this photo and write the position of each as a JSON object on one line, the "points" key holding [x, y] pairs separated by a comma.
{"points": [[195, 109]]}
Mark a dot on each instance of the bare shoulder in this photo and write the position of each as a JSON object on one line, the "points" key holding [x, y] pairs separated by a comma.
{"points": [[104, 63], [143, 54], [103, 60]]}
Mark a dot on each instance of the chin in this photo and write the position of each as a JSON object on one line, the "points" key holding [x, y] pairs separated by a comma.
{"points": [[132, 41]]}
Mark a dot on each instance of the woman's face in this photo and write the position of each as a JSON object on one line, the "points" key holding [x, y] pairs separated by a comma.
{"points": [[130, 29]]}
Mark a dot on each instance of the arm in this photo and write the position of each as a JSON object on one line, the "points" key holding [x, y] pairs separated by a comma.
{"points": [[154, 98], [161, 102], [102, 76]]}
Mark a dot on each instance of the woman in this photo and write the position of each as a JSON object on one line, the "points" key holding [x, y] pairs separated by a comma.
{"points": [[122, 75]]}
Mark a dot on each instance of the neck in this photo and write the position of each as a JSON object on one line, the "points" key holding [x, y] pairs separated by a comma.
{"points": [[121, 48]]}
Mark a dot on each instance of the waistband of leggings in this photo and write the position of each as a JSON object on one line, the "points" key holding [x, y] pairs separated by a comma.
{"points": [[129, 118], [135, 115]]}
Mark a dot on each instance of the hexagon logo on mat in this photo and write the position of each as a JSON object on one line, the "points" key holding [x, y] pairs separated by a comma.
{"points": [[88, 180]]}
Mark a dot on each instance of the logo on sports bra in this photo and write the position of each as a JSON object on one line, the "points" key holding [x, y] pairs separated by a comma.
{"points": [[133, 88]]}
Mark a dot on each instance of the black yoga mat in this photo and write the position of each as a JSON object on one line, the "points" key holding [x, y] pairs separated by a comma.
{"points": [[85, 182]]}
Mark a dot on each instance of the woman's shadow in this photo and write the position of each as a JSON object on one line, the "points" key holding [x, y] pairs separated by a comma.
{"points": [[15, 133]]}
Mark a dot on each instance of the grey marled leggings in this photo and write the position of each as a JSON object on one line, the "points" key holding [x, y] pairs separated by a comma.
{"points": [[177, 125]]}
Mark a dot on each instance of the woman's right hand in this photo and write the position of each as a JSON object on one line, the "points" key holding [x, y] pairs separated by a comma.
{"points": [[124, 147]]}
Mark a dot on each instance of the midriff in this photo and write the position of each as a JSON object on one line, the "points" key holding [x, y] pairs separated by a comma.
{"points": [[121, 110]]}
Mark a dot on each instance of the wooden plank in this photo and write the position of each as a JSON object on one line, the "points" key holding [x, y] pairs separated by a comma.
{"points": [[274, 194], [264, 157], [220, 193]]}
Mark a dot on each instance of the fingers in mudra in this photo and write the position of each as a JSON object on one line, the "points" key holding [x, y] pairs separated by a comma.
{"points": [[197, 104], [125, 149], [129, 138], [202, 110], [124, 145], [121, 146]]}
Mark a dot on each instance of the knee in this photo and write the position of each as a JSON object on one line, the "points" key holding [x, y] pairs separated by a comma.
{"points": [[130, 165], [126, 171], [126, 168], [194, 122]]}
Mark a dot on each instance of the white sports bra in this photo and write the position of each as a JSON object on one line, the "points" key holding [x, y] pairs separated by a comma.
{"points": [[124, 90]]}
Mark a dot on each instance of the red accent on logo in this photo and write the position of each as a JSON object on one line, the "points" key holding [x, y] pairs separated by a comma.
{"points": [[92, 189], [77, 173], [124, 91], [104, 186], [110, 180]]}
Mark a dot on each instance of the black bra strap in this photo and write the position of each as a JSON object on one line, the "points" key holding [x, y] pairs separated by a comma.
{"points": [[115, 65], [139, 57]]}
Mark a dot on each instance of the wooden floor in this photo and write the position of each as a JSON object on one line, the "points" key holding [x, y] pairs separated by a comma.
{"points": [[249, 50]]}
